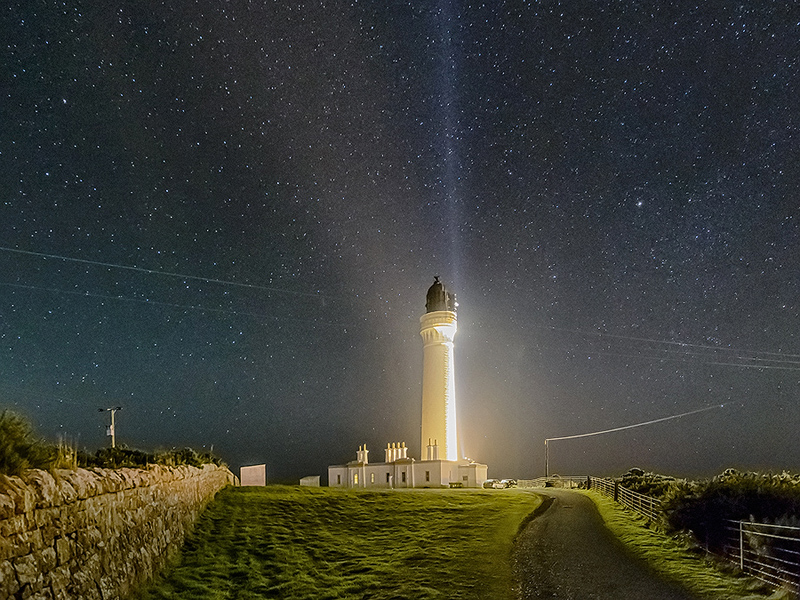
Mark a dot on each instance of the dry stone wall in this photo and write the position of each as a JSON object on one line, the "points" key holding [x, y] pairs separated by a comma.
{"points": [[98, 533]]}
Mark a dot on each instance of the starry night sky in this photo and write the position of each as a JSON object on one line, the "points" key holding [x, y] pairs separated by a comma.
{"points": [[224, 217]]}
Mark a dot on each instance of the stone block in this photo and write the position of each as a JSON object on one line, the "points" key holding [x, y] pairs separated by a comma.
{"points": [[81, 481], [34, 538], [6, 507], [9, 584], [21, 495], [43, 486], [66, 490], [64, 550], [108, 587], [47, 561], [60, 580], [7, 549], [14, 526], [28, 572]]}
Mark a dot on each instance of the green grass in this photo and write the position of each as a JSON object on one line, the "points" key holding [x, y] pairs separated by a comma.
{"points": [[706, 578], [322, 543]]}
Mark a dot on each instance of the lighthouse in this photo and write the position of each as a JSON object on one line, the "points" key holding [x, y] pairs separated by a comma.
{"points": [[440, 464], [439, 432]]}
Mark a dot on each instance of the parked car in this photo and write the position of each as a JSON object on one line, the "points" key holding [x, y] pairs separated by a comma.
{"points": [[490, 483], [509, 483]]}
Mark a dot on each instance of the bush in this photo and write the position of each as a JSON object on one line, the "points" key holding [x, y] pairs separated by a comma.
{"points": [[185, 456], [704, 507], [19, 449], [115, 458], [651, 484]]}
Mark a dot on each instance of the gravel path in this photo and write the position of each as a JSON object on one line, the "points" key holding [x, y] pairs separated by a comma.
{"points": [[566, 552]]}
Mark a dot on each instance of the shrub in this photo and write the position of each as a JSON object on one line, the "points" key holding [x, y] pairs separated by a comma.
{"points": [[704, 507], [19, 449], [651, 484], [185, 456], [114, 458]]}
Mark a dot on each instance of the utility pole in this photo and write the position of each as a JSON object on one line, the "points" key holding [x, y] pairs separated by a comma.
{"points": [[546, 459], [111, 430]]}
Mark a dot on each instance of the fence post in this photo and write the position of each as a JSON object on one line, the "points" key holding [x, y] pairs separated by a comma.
{"points": [[588, 482], [741, 546], [616, 491]]}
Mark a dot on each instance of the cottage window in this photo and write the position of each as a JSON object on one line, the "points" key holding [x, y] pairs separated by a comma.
{"points": [[355, 478], [427, 475], [372, 477], [403, 476]]}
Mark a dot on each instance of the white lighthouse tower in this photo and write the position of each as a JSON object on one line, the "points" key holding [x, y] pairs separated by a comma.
{"points": [[438, 329]]}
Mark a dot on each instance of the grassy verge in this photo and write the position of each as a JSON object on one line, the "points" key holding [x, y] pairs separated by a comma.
{"points": [[704, 577], [292, 543]]}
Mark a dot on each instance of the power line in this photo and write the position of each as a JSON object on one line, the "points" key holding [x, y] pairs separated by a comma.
{"points": [[668, 342], [624, 427], [686, 414], [166, 273], [168, 304], [690, 358]]}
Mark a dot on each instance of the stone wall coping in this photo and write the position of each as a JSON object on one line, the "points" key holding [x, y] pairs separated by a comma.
{"points": [[44, 489]]}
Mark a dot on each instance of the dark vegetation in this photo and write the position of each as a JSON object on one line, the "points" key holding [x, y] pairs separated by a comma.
{"points": [[125, 457], [703, 507], [21, 449]]}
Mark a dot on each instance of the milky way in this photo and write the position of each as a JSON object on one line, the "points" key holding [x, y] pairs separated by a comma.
{"points": [[224, 216]]}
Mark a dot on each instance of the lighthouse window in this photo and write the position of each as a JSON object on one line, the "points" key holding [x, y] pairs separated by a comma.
{"points": [[403, 476], [427, 475]]}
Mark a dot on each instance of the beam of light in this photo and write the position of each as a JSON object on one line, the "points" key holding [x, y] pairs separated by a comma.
{"points": [[686, 414], [165, 273], [310, 321], [448, 131]]}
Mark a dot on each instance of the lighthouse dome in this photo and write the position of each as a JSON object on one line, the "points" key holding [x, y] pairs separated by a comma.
{"points": [[439, 298]]}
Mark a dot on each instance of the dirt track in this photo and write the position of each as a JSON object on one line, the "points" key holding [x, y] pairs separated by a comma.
{"points": [[566, 552]]}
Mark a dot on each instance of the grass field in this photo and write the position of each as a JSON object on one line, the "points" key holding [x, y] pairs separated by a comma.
{"points": [[321, 543]]}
